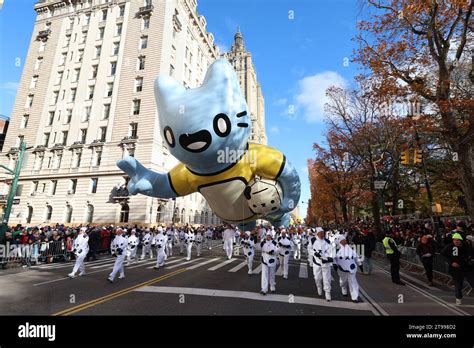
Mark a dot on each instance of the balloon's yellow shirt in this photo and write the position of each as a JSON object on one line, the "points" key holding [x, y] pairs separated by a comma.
{"points": [[224, 190]]}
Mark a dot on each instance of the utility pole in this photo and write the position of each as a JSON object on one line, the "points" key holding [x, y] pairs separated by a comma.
{"points": [[11, 195]]}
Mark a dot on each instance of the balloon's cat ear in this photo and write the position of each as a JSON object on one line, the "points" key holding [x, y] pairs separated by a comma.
{"points": [[166, 88]]}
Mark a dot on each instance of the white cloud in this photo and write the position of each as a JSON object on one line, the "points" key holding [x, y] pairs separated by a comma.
{"points": [[311, 95], [11, 86], [274, 130]]}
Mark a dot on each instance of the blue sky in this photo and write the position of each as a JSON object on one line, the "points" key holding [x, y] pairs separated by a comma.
{"points": [[299, 48]]}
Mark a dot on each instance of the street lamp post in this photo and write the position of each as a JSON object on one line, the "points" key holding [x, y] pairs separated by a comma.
{"points": [[11, 195]]}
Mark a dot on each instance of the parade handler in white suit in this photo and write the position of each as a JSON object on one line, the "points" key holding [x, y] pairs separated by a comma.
{"points": [[146, 244], [117, 247], [198, 239], [132, 247], [160, 244], [189, 241], [284, 248], [248, 244], [81, 248], [269, 254], [228, 237], [347, 261], [322, 262], [208, 235]]}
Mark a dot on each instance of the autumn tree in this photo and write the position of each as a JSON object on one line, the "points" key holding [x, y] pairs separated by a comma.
{"points": [[424, 48]]}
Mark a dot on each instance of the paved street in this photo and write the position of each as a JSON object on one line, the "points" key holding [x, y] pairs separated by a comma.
{"points": [[208, 285]]}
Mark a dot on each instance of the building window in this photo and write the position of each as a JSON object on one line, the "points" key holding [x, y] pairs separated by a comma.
{"points": [[87, 19], [100, 34], [52, 190], [143, 42], [64, 137], [24, 121], [39, 60], [118, 29], [49, 212], [89, 213], [73, 186], [141, 63], [133, 130], [171, 70], [98, 50], [104, 15], [110, 88], [67, 40], [91, 92], [42, 46], [145, 23], [54, 100], [75, 77], [73, 95], [98, 158], [115, 49], [46, 139], [160, 214], [87, 113], [80, 55], [103, 133], [136, 106], [121, 10], [34, 81], [138, 84], [29, 101], [94, 71], [106, 113], [34, 187], [62, 61], [83, 37], [124, 212], [68, 116], [113, 68], [94, 182], [59, 78], [83, 136], [68, 214]]}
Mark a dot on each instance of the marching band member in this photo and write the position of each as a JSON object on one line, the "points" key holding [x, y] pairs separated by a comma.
{"points": [[81, 248], [284, 247], [248, 243], [347, 262], [146, 244], [117, 248], [269, 252], [132, 247], [160, 244], [322, 260]]}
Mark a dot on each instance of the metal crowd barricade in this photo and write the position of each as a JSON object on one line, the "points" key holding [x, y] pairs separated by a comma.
{"points": [[28, 254]]}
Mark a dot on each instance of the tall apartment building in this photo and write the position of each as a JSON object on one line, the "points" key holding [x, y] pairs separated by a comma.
{"points": [[241, 60], [86, 100]]}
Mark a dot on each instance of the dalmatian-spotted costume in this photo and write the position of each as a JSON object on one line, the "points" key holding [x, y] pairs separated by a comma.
{"points": [[284, 248], [189, 240], [146, 245], [296, 239], [160, 244], [132, 247], [169, 241], [208, 238], [269, 253], [198, 239], [118, 248], [182, 239], [347, 262], [248, 244], [80, 249], [322, 262]]}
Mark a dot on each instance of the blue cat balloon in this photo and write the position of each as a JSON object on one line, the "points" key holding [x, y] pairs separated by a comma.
{"points": [[207, 130]]}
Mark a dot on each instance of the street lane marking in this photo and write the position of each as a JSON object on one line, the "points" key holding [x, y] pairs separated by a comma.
{"points": [[257, 270], [203, 263], [434, 298], [184, 263], [116, 294], [141, 264], [68, 264], [222, 264], [303, 270], [239, 266], [361, 306], [377, 310], [169, 262]]}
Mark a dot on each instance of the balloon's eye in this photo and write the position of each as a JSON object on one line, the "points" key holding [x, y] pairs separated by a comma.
{"points": [[221, 125], [169, 136]]}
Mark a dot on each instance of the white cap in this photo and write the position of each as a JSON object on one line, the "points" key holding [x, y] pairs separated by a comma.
{"points": [[319, 229], [247, 233], [159, 229], [83, 229]]}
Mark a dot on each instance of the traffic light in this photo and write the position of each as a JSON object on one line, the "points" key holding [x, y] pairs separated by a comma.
{"points": [[405, 157], [417, 156]]}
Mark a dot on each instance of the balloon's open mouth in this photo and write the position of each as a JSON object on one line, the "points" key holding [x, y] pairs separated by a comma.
{"points": [[196, 142]]}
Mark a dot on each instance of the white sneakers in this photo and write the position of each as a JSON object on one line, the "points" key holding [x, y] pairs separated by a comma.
{"points": [[320, 291], [71, 275], [82, 273], [458, 301]]}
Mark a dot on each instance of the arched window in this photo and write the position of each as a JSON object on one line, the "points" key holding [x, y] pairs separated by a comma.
{"points": [[124, 211], [29, 214], [89, 213], [196, 217], [183, 216], [206, 218], [49, 212], [176, 215], [160, 214], [190, 216], [202, 218], [68, 214]]}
